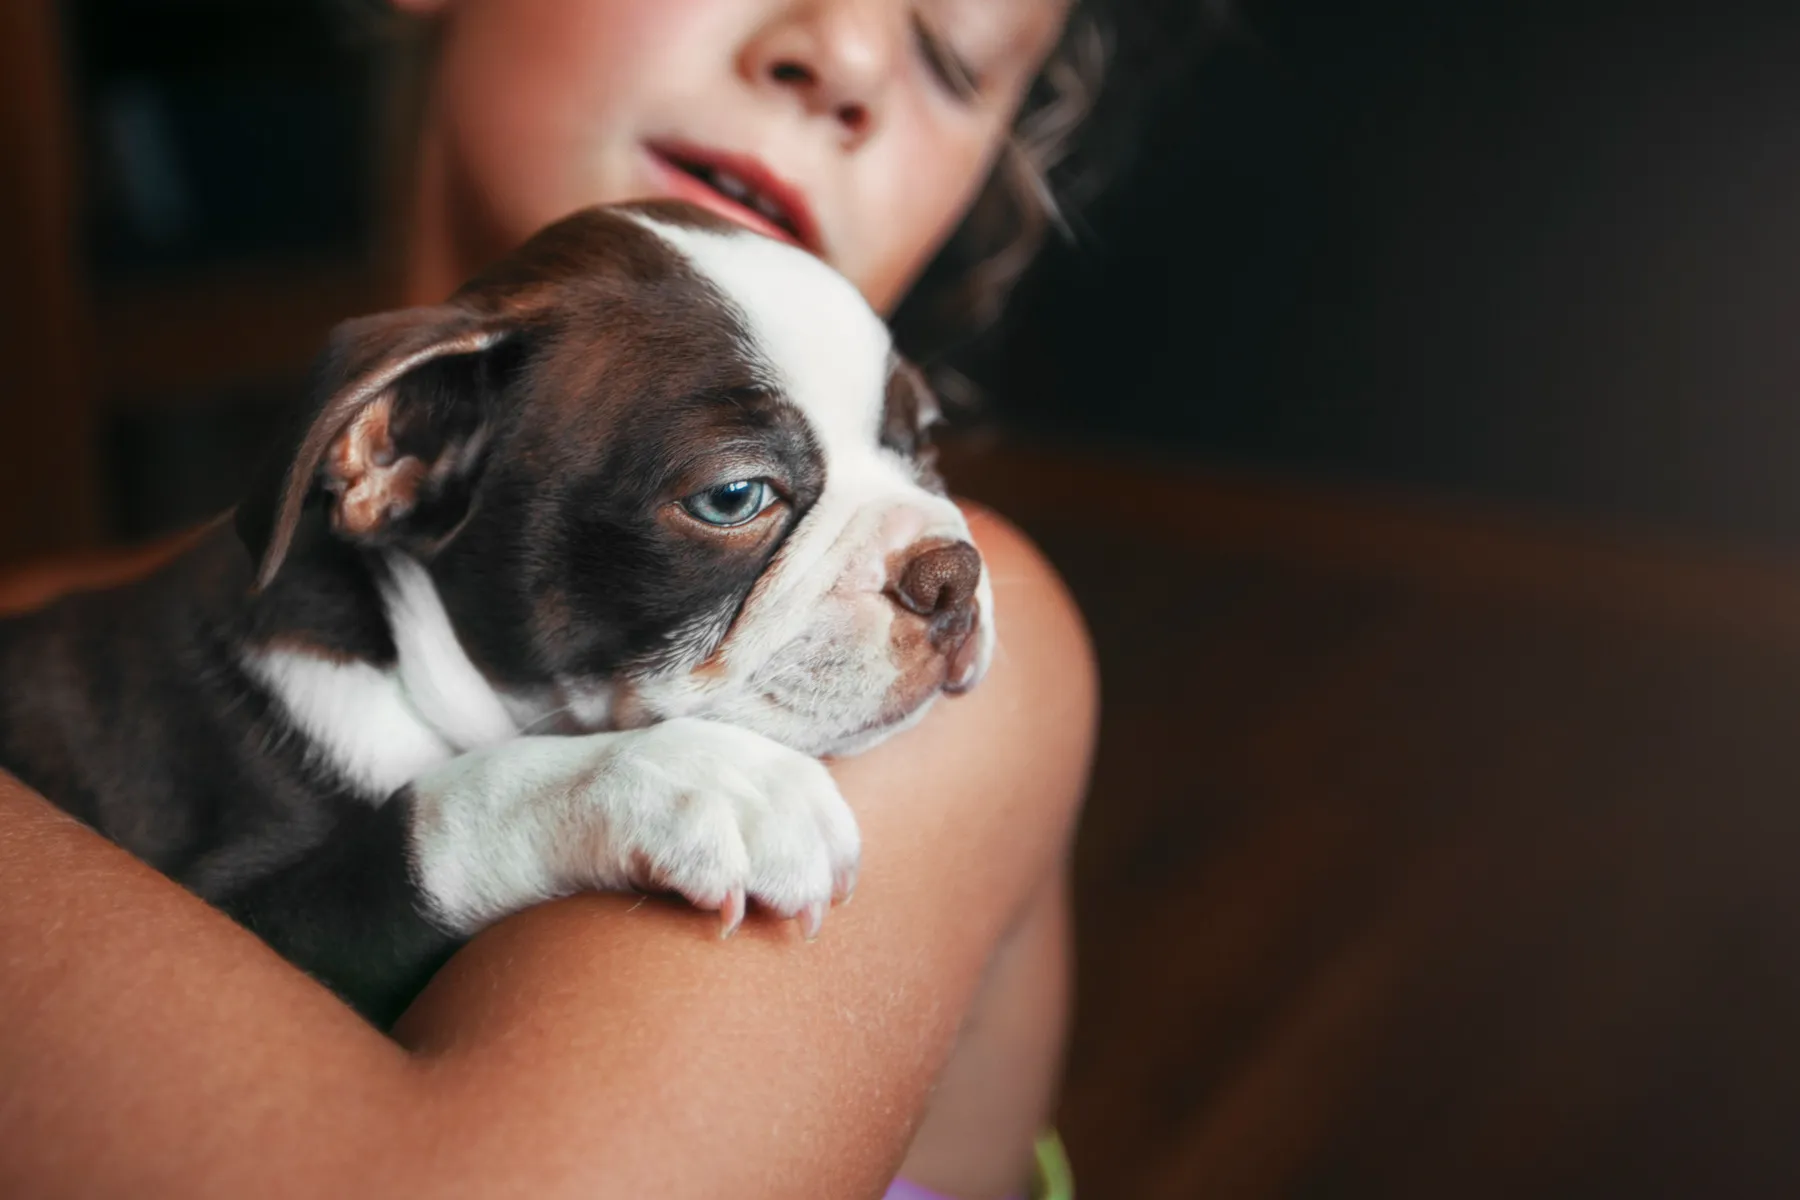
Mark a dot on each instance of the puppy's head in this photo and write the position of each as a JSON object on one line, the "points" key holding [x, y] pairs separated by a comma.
{"points": [[654, 465]]}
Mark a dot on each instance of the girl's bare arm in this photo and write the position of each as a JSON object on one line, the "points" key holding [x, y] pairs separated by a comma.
{"points": [[592, 1046]]}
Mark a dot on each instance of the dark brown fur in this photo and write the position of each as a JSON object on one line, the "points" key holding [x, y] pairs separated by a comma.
{"points": [[524, 441]]}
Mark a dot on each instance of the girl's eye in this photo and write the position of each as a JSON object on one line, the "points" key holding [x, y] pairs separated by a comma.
{"points": [[949, 68], [729, 504]]}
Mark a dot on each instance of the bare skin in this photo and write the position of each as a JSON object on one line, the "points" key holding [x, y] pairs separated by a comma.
{"points": [[594, 1046]]}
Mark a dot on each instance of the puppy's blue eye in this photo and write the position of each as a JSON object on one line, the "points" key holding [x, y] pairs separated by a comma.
{"points": [[731, 503]]}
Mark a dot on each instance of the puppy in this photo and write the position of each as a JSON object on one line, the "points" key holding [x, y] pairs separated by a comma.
{"points": [[564, 584]]}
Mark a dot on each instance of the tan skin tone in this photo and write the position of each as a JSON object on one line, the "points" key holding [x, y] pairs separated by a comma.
{"points": [[603, 1046]]}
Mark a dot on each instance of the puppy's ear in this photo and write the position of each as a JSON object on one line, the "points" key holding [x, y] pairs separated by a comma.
{"points": [[911, 410], [397, 416]]}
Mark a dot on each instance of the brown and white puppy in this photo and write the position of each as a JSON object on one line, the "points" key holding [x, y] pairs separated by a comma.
{"points": [[564, 584]]}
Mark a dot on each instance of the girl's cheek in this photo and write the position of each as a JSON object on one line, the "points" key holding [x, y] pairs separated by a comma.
{"points": [[928, 202], [883, 288]]}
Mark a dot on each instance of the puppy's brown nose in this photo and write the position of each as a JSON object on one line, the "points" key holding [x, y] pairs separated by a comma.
{"points": [[940, 579], [939, 584]]}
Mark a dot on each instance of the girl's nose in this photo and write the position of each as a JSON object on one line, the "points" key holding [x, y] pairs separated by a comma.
{"points": [[836, 57]]}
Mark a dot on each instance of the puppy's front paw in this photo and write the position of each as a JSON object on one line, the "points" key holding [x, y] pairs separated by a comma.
{"points": [[718, 814], [730, 816]]}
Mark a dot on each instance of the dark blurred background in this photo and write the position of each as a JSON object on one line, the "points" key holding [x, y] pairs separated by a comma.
{"points": [[1539, 252], [1413, 421]]}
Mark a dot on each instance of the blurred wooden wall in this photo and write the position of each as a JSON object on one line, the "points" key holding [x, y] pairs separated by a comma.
{"points": [[49, 476]]}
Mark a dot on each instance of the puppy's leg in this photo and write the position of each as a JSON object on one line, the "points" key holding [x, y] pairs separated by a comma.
{"points": [[350, 914], [718, 814]]}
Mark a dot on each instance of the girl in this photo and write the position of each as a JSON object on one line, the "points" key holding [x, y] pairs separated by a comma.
{"points": [[592, 1046]]}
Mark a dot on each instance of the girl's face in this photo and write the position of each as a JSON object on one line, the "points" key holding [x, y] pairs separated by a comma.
{"points": [[860, 128]]}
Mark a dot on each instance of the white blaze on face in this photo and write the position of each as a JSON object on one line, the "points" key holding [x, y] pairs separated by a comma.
{"points": [[809, 660]]}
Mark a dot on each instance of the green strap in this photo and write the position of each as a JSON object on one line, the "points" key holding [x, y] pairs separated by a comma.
{"points": [[1055, 1181]]}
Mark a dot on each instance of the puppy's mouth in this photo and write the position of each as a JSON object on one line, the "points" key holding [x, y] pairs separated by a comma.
{"points": [[740, 189]]}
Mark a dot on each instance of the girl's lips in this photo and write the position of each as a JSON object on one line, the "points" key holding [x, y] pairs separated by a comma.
{"points": [[674, 165]]}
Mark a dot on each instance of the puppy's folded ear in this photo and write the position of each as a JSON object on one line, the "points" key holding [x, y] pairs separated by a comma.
{"points": [[398, 417], [910, 412]]}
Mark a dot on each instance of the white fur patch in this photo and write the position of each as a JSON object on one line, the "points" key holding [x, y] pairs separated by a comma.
{"points": [[810, 325], [444, 686], [381, 729], [716, 813], [357, 718]]}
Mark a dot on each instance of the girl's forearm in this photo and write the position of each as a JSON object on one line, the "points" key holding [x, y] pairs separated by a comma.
{"points": [[150, 1046]]}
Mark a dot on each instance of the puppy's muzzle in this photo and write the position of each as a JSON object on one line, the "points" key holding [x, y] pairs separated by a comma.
{"points": [[939, 582]]}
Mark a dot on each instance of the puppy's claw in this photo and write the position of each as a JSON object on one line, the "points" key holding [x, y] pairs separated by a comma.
{"points": [[812, 918], [844, 886], [731, 913]]}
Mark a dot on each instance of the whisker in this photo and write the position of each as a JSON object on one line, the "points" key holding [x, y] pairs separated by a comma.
{"points": [[551, 715]]}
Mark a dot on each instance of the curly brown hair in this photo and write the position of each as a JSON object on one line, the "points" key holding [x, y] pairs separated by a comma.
{"points": [[1073, 136], [962, 291]]}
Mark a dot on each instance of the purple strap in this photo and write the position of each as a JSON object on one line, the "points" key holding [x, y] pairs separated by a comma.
{"points": [[900, 1189]]}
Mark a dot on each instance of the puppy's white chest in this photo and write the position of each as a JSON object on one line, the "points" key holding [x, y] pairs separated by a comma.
{"points": [[357, 718], [382, 728]]}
